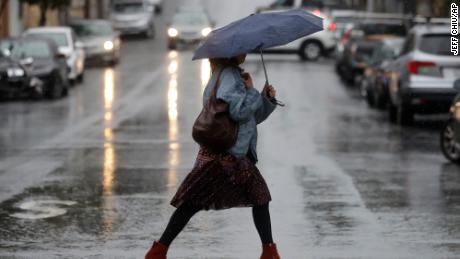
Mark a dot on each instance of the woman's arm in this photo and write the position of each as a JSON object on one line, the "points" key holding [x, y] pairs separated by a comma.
{"points": [[243, 101], [265, 109]]}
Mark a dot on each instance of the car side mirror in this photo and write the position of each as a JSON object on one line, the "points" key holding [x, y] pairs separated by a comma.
{"points": [[457, 85], [6, 52], [60, 55], [79, 45]]}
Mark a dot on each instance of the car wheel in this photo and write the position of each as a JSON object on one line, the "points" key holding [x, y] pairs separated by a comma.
{"points": [[370, 97], [114, 62], [150, 32], [80, 78], [405, 116], [450, 145], [172, 45], [311, 50], [56, 87], [65, 91], [158, 9], [379, 101], [392, 112]]}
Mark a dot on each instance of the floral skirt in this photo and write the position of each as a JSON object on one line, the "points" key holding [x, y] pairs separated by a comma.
{"points": [[222, 181]]}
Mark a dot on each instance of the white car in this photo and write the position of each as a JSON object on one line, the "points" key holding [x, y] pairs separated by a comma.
{"points": [[312, 46], [188, 27], [421, 78], [68, 45], [133, 17]]}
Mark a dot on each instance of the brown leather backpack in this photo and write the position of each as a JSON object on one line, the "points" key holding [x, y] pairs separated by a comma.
{"points": [[214, 129]]}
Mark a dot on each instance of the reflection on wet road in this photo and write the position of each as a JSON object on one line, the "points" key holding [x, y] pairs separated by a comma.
{"points": [[345, 183], [173, 130], [109, 166]]}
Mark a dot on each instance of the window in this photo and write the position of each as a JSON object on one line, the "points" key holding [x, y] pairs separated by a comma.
{"points": [[437, 44], [58, 37], [33, 49]]}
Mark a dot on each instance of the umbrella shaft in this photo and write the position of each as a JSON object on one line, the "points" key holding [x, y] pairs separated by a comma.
{"points": [[265, 69]]}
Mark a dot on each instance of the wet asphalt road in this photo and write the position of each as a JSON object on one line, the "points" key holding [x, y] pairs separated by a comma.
{"points": [[106, 161]]}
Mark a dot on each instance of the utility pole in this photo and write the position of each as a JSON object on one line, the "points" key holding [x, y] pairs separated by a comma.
{"points": [[370, 6]]}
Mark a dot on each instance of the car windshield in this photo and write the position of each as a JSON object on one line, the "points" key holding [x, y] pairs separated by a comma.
{"points": [[126, 8], [31, 48], [92, 29], [58, 37], [193, 19], [437, 44], [382, 28]]}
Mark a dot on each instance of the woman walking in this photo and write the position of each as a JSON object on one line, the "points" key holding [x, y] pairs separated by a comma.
{"points": [[227, 180]]}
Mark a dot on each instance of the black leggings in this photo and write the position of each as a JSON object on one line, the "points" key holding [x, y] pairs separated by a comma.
{"points": [[184, 213]]}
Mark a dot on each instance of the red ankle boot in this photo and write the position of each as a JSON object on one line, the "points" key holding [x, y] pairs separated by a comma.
{"points": [[270, 252], [157, 251]]}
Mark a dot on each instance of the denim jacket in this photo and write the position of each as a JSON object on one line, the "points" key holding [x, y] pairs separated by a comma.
{"points": [[246, 106]]}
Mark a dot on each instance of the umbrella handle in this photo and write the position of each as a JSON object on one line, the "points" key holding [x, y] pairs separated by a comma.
{"points": [[266, 79]]}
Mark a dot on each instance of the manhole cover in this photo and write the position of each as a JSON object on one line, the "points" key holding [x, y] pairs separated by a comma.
{"points": [[42, 209]]}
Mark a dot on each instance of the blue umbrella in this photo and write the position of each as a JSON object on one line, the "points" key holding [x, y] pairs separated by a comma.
{"points": [[258, 32]]}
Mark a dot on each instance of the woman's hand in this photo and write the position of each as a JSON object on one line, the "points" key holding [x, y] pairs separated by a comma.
{"points": [[270, 91], [247, 80]]}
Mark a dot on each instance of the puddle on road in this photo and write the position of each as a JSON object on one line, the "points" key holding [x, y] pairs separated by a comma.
{"points": [[42, 209]]}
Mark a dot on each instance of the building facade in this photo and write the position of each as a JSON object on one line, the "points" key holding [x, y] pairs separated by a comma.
{"points": [[16, 16]]}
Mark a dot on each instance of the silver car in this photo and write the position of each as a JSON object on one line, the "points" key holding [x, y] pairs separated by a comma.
{"points": [[188, 27], [100, 41], [133, 17], [422, 76]]}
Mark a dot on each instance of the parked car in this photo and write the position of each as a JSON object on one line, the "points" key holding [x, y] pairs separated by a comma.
{"points": [[450, 133], [15, 79], [359, 42], [68, 45], [374, 85], [133, 17], [188, 27], [313, 46], [100, 40], [423, 75], [40, 58], [354, 59]]}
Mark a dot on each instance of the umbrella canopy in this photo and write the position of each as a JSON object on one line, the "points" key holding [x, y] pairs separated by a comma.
{"points": [[258, 32]]}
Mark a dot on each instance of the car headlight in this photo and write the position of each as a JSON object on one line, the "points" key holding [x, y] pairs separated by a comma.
{"points": [[108, 45], [15, 72], [205, 32], [172, 32]]}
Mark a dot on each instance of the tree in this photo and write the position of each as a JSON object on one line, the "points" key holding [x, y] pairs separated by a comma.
{"points": [[45, 5]]}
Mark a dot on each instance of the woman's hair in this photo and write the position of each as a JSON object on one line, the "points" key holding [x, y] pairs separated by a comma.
{"points": [[224, 62]]}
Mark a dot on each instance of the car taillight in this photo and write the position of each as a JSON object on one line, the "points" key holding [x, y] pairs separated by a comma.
{"points": [[332, 26], [317, 12], [426, 68]]}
